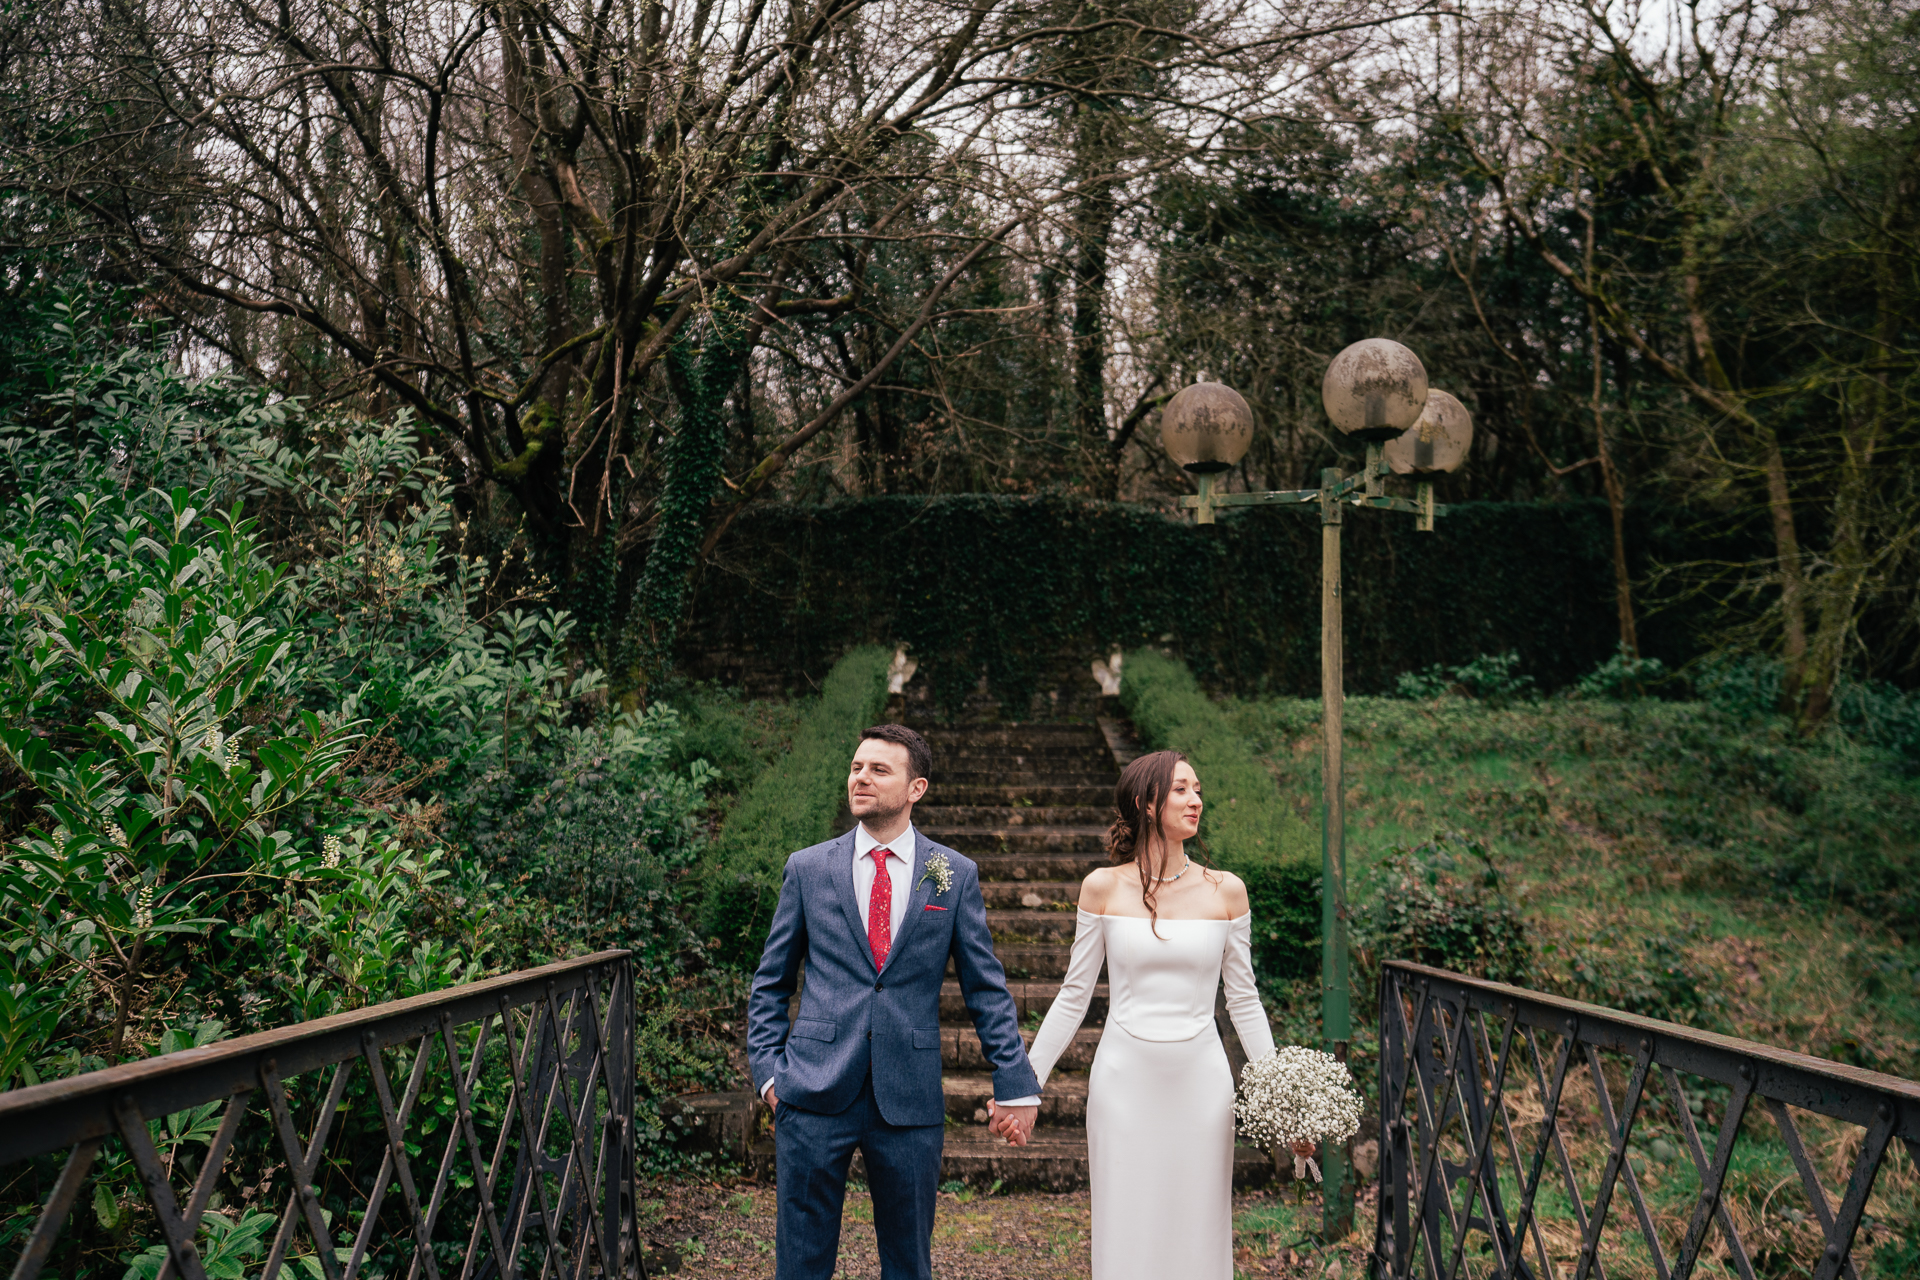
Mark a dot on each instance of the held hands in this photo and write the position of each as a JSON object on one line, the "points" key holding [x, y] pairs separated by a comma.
{"points": [[1015, 1124]]}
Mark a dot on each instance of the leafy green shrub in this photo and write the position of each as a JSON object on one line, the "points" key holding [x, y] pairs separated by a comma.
{"points": [[1246, 827], [1745, 688], [1882, 715], [790, 806], [737, 738], [1621, 677], [1493, 678], [1650, 976], [1442, 903], [144, 660], [264, 769]]}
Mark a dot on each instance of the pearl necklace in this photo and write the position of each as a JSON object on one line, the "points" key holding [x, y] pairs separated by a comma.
{"points": [[1171, 879]]}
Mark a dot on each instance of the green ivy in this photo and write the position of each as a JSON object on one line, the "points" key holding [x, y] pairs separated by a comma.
{"points": [[1248, 828], [790, 806], [1014, 587]]}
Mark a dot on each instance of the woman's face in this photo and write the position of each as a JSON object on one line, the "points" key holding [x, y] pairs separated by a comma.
{"points": [[1182, 818]]}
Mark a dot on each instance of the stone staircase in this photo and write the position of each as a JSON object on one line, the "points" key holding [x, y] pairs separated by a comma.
{"points": [[1030, 804]]}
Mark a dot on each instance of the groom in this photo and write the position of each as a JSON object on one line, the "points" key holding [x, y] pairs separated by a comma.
{"points": [[875, 915]]}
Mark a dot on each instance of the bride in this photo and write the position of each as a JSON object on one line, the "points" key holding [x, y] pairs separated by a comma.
{"points": [[1160, 1095]]}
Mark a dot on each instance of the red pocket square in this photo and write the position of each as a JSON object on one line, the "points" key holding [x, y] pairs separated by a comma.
{"points": [[931, 907]]}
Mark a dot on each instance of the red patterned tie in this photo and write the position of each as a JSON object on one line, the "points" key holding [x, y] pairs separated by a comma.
{"points": [[880, 910]]}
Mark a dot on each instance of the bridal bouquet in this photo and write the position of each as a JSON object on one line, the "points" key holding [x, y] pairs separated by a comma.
{"points": [[1297, 1097]]}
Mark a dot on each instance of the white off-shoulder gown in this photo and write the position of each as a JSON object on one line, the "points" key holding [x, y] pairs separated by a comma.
{"points": [[1160, 1096]]}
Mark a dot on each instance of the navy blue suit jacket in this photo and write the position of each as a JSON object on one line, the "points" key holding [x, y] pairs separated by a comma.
{"points": [[853, 1018]]}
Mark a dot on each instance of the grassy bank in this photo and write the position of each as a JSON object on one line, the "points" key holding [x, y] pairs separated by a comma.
{"points": [[789, 805], [1665, 858]]}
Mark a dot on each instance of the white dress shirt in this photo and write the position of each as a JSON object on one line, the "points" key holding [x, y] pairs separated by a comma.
{"points": [[899, 868]]}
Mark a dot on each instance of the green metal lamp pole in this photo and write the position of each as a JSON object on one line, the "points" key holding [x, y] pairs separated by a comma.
{"points": [[1336, 1005], [1375, 390]]}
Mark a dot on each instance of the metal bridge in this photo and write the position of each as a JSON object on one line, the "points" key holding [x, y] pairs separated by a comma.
{"points": [[501, 1114], [1482, 1084], [488, 1132]]}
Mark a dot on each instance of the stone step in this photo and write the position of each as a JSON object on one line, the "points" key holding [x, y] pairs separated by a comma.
{"points": [[1054, 1159], [1029, 867], [975, 777], [1032, 730], [1031, 926], [1014, 732], [1064, 1101], [1012, 766], [960, 1049], [969, 840], [1010, 894], [1003, 792], [999, 816], [1091, 743], [1030, 998], [1033, 962]]}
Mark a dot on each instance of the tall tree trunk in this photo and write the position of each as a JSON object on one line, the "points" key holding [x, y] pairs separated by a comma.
{"points": [[1839, 595], [1793, 580], [1610, 480], [1093, 225], [1865, 413]]}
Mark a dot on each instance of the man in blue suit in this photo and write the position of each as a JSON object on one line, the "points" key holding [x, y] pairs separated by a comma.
{"points": [[875, 915]]}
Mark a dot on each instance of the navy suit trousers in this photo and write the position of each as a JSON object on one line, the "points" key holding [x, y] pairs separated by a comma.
{"points": [[811, 1155]]}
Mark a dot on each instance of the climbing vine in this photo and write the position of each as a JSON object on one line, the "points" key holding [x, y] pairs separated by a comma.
{"points": [[1017, 589]]}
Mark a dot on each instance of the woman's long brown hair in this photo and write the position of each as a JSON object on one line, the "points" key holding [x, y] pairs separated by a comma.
{"points": [[1139, 800]]}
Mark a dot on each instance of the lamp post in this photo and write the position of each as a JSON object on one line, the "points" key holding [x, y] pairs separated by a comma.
{"points": [[1375, 392]]}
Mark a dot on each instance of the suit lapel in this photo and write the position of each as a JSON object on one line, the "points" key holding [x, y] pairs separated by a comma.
{"points": [[922, 888], [842, 870]]}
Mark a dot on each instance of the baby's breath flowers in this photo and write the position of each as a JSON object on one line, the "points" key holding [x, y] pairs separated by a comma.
{"points": [[941, 872], [117, 834], [1296, 1096], [143, 909], [330, 852]]}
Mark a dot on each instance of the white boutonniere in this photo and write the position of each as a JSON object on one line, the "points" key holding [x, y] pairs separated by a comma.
{"points": [[940, 871]]}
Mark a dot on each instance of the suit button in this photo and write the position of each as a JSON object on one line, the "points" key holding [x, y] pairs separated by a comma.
{"points": [[869, 1033], [879, 986]]}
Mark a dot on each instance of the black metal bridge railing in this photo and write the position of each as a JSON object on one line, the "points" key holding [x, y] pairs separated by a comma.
{"points": [[1491, 1102], [506, 1130]]}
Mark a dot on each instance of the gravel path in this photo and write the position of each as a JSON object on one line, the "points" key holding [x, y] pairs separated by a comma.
{"points": [[726, 1230]]}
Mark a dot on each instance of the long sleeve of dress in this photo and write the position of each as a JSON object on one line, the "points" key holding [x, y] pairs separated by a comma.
{"points": [[1069, 1008], [1243, 994]]}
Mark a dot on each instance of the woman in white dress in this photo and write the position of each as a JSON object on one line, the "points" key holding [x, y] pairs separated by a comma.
{"points": [[1160, 1095]]}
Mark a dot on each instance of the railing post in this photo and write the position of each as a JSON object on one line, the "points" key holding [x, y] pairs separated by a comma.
{"points": [[1390, 1220]]}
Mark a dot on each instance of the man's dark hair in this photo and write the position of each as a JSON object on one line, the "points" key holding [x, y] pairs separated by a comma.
{"points": [[919, 758]]}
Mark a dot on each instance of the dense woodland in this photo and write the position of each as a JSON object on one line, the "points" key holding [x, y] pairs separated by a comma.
{"points": [[377, 377], [629, 269]]}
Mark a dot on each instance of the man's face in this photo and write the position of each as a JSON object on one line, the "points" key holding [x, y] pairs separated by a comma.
{"points": [[879, 785]]}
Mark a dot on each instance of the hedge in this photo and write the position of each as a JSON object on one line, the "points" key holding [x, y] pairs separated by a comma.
{"points": [[1016, 587], [1247, 827], [790, 806]]}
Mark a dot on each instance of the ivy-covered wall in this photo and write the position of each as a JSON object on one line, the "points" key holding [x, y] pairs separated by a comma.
{"points": [[1013, 586]]}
